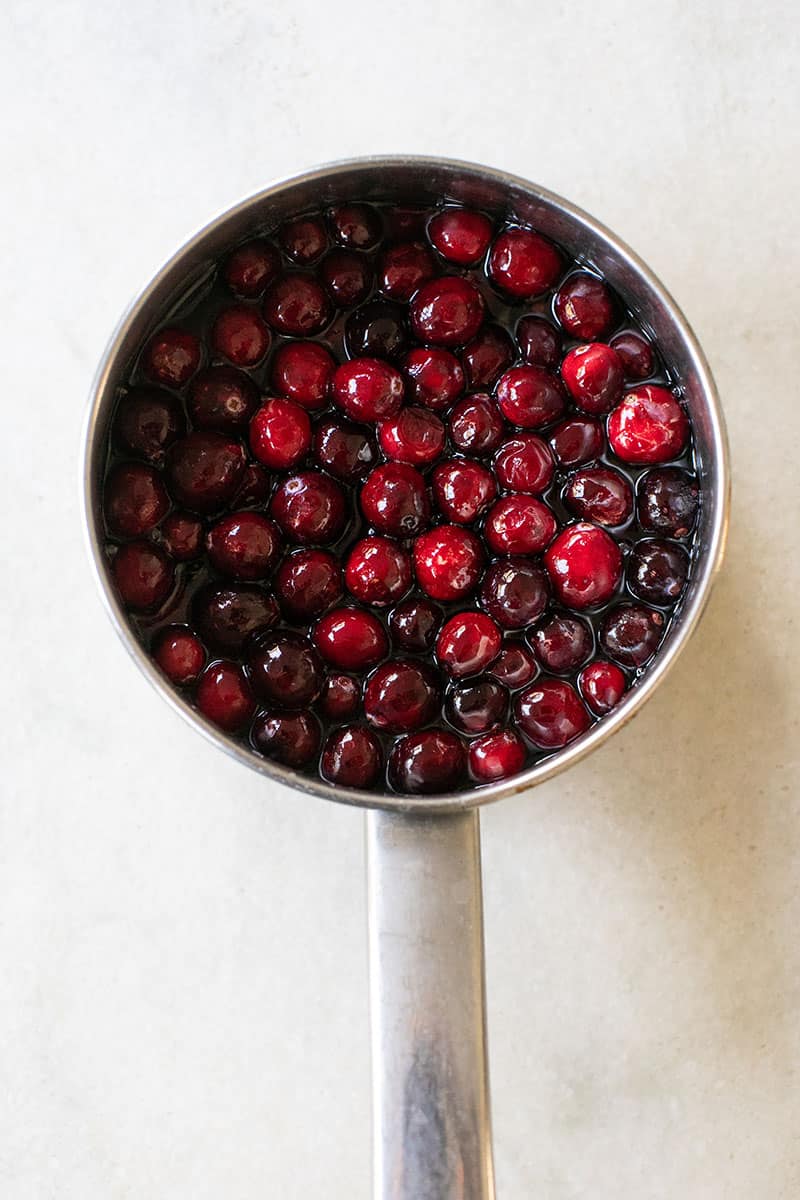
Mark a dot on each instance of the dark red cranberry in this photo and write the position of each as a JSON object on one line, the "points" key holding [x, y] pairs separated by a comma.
{"points": [[577, 440], [304, 239], [307, 583], [585, 566], [562, 643], [524, 464], [395, 500], [357, 226], [204, 471], [280, 434], [630, 634], [289, 738], [223, 695], [401, 696], [223, 399], [461, 235], [519, 525], [405, 222], [378, 571], [477, 706], [347, 277], [255, 488], [667, 501], [251, 267], [436, 378], [414, 625], [447, 311], [345, 450], [463, 489], [636, 354], [649, 426], [182, 536], [523, 263], [530, 397], [340, 697], [285, 669], [351, 639], [468, 643], [550, 713], [515, 592], [135, 500], [476, 425], [147, 422], [602, 686], [240, 335], [448, 562], [227, 616], [143, 575], [487, 356], [310, 507], [515, 665], [599, 494], [404, 268], [584, 306], [593, 376], [296, 305], [377, 330], [244, 545], [497, 756], [171, 357], [367, 389], [657, 571], [179, 654], [415, 435], [539, 343], [302, 371], [352, 757], [428, 762]]}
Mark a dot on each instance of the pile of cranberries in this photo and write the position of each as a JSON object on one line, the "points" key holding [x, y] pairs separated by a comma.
{"points": [[404, 497]]}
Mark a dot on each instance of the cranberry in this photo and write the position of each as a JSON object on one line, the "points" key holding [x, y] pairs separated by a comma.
{"points": [[600, 494], [519, 525], [340, 697], [352, 757], [182, 536], [357, 226], [135, 500], [280, 434], [515, 592], [223, 399], [657, 571], [255, 488], [401, 696], [179, 654], [436, 378], [307, 583], [602, 686], [404, 268], [377, 572], [562, 643], [635, 354], [550, 713], [227, 616], [667, 501], [476, 425], [414, 625], [296, 305], [577, 440], [539, 342], [448, 561], [147, 422], [593, 376], [497, 756], [405, 221], [224, 696], [415, 435], [630, 634], [585, 565], [530, 397], [524, 464], [515, 665], [285, 669], [463, 489], [477, 706], [427, 762], [468, 642], [289, 738], [394, 500], [351, 639], [244, 545], [347, 277], [377, 330], [310, 507], [302, 371], [304, 239], [171, 357], [343, 449], [251, 267], [143, 575], [204, 471], [523, 263], [240, 335], [461, 235], [487, 356], [584, 306], [649, 426], [367, 389], [447, 311]]}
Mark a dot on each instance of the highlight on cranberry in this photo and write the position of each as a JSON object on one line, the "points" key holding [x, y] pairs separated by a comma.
{"points": [[401, 505]]}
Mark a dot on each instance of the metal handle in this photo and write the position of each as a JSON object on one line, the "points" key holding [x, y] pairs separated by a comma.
{"points": [[430, 1085]]}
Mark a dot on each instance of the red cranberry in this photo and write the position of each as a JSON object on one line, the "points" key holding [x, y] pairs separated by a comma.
{"points": [[227, 616], [179, 654], [401, 696], [649, 426], [204, 471], [515, 592], [356, 225], [280, 434], [436, 378], [635, 353], [487, 356], [251, 267], [147, 422], [630, 634], [171, 357], [285, 669], [351, 639], [289, 738], [223, 399], [667, 501], [523, 263], [244, 545], [302, 371], [577, 440], [447, 311], [255, 488], [182, 536], [240, 335], [143, 575], [463, 489], [307, 583], [414, 625], [304, 239], [593, 376], [600, 494], [524, 464], [497, 756], [347, 277], [477, 706], [448, 561], [404, 222], [519, 525], [530, 397], [135, 500], [584, 307], [476, 425], [340, 697], [539, 342], [310, 507], [562, 643], [515, 665], [343, 449], [468, 642], [352, 757], [367, 389], [585, 565], [657, 571], [550, 713], [428, 762], [415, 435], [296, 305], [378, 571], [404, 268], [394, 500], [460, 235], [602, 686], [377, 330], [224, 696]]}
